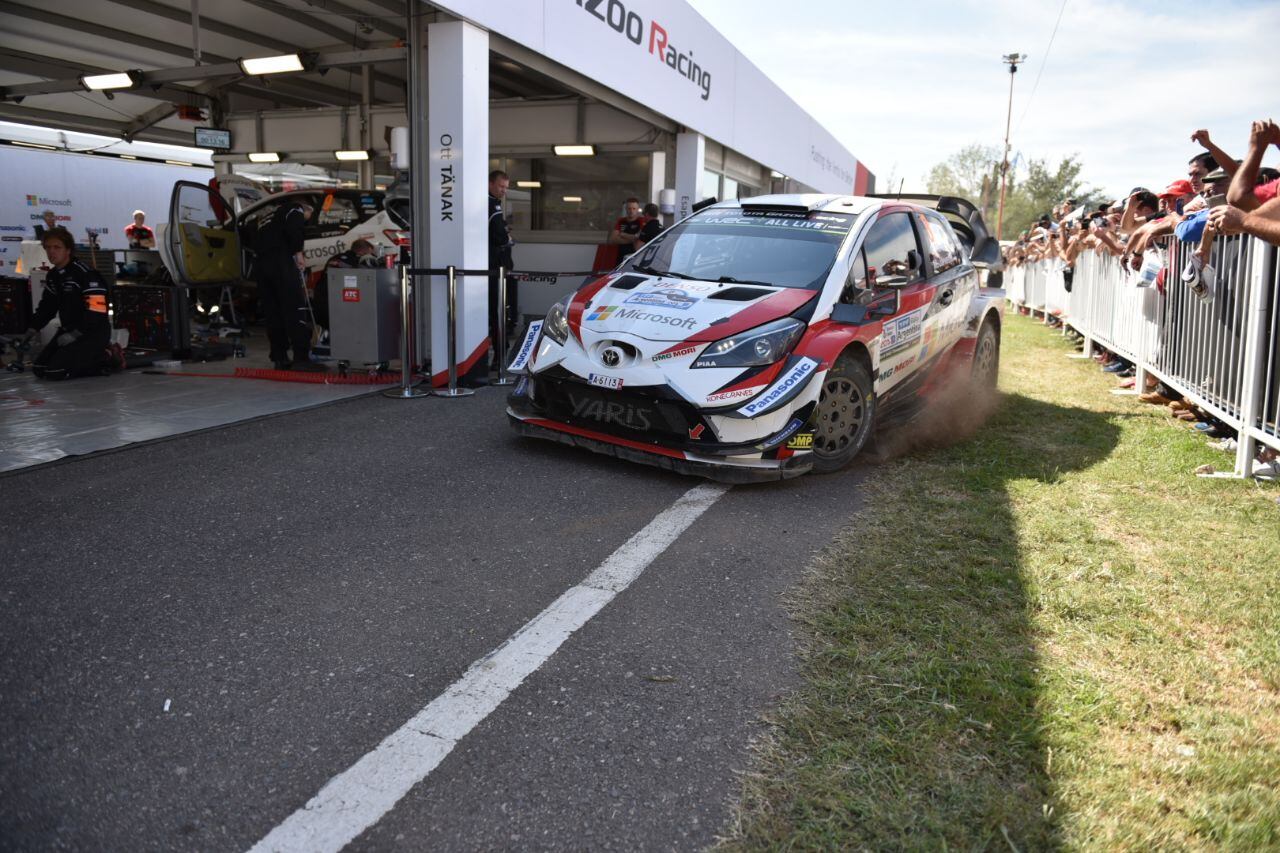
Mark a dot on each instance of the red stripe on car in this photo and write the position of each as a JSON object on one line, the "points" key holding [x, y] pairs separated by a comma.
{"points": [[579, 304], [600, 436]]}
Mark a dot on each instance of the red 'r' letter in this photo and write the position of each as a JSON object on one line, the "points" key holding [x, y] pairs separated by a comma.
{"points": [[658, 39]]}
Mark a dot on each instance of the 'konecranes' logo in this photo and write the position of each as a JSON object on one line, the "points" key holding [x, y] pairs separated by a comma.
{"points": [[631, 25]]}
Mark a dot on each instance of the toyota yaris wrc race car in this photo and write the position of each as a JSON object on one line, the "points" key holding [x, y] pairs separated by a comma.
{"points": [[761, 339]]}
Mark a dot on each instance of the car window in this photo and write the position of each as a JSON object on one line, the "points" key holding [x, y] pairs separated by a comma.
{"points": [[337, 212], [781, 248], [886, 248], [944, 251], [857, 278]]}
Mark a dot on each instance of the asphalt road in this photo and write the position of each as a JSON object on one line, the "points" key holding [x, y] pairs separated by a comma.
{"points": [[298, 587]]}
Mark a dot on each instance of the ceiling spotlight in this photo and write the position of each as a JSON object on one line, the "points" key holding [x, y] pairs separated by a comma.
{"points": [[115, 80], [271, 64], [264, 157], [575, 150]]}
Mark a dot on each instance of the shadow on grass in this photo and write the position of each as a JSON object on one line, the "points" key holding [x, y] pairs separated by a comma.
{"points": [[920, 724]]}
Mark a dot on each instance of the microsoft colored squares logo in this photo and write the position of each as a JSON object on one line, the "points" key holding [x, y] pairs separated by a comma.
{"points": [[33, 201], [602, 313]]}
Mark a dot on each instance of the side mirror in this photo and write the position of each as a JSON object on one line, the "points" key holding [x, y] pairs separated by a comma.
{"points": [[914, 262], [854, 314]]}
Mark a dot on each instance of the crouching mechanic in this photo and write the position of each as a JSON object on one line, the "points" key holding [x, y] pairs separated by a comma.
{"points": [[78, 296]]}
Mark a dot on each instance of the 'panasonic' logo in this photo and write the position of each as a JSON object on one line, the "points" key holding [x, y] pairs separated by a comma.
{"points": [[780, 388]]}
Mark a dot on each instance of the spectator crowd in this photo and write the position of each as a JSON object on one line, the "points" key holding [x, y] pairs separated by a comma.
{"points": [[1218, 197]]}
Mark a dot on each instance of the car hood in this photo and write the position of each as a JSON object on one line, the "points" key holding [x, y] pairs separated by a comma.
{"points": [[666, 309]]}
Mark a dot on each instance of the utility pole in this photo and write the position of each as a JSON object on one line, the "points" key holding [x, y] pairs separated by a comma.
{"points": [[1013, 60]]}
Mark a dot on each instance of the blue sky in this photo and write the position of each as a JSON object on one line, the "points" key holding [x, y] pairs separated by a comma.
{"points": [[904, 85]]}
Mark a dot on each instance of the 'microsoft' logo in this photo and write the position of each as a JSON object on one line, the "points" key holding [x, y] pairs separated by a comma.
{"points": [[33, 201], [631, 25]]}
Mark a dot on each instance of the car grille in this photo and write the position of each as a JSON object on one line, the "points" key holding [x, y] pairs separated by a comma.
{"points": [[642, 417]]}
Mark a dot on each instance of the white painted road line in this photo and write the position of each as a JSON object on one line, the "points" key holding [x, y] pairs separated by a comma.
{"points": [[357, 798]]}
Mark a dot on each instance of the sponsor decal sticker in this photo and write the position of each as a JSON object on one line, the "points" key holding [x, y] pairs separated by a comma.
{"points": [[665, 298], [738, 394], [11, 239], [792, 425], [526, 347], [696, 432], [350, 294], [603, 381], [676, 353], [622, 414], [901, 332], [617, 312], [802, 441], [803, 369], [18, 228], [521, 387]]}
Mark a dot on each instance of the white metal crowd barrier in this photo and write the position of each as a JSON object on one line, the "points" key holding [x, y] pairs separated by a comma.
{"points": [[1221, 351]]}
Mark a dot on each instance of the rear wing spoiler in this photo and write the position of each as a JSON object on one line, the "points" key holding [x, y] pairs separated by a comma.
{"points": [[964, 217]]}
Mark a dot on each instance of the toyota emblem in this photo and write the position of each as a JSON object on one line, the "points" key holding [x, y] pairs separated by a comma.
{"points": [[612, 357]]}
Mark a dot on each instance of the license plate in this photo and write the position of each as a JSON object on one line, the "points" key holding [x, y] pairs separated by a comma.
{"points": [[601, 381]]}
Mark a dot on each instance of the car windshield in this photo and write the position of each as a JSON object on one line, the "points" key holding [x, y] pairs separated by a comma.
{"points": [[779, 248]]}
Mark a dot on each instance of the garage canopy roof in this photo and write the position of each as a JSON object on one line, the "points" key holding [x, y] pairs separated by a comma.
{"points": [[43, 52]]}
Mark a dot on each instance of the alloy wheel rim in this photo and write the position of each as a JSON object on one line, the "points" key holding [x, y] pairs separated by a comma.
{"points": [[841, 411]]}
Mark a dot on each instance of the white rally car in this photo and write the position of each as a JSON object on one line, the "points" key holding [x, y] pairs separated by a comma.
{"points": [[761, 339]]}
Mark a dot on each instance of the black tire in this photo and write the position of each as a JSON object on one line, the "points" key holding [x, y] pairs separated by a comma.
{"points": [[986, 357], [844, 417]]}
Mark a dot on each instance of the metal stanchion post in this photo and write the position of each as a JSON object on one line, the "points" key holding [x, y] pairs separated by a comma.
{"points": [[451, 319], [406, 391], [500, 346]]}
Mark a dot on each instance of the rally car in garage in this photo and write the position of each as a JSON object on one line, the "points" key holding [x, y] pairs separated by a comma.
{"points": [[764, 338]]}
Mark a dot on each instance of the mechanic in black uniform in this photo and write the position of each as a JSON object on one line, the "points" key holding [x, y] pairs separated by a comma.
{"points": [[278, 268], [500, 244], [77, 294]]}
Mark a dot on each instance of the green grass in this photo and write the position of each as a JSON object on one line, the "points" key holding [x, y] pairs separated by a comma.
{"points": [[1050, 635]]}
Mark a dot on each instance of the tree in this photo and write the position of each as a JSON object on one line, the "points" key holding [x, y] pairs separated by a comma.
{"points": [[973, 173]]}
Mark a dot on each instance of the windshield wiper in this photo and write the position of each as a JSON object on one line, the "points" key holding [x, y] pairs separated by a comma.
{"points": [[651, 271], [728, 279]]}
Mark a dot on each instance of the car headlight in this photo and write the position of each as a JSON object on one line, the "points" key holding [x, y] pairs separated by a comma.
{"points": [[556, 326], [761, 345]]}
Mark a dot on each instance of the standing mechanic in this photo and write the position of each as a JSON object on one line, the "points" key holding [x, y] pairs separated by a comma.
{"points": [[278, 268], [78, 295], [500, 244]]}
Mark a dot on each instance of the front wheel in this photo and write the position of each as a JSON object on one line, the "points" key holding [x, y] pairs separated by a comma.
{"points": [[844, 417]]}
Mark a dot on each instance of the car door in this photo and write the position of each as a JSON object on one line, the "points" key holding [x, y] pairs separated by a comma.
{"points": [[200, 243], [892, 257], [955, 280]]}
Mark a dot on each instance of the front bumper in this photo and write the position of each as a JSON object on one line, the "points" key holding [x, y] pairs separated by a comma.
{"points": [[528, 422]]}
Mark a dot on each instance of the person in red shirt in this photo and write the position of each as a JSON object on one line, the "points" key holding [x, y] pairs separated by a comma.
{"points": [[140, 235], [627, 229]]}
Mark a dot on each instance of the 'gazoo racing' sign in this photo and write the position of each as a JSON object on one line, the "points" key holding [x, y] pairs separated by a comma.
{"points": [[629, 24]]}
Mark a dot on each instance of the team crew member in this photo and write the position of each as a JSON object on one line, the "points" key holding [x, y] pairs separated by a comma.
{"points": [[652, 226], [627, 229], [500, 244], [48, 221], [278, 269], [139, 234], [78, 296]]}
